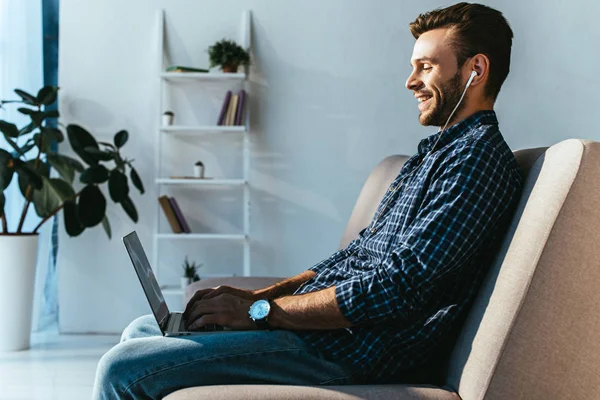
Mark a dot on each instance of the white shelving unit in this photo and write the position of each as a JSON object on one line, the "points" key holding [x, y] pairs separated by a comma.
{"points": [[165, 79]]}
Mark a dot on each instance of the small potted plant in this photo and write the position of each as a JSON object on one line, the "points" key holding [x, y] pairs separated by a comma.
{"points": [[228, 54], [190, 273]]}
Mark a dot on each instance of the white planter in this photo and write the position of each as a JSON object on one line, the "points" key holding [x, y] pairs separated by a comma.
{"points": [[18, 257], [185, 282]]}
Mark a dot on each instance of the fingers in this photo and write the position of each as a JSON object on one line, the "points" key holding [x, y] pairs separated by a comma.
{"points": [[219, 290], [197, 296], [208, 319]]}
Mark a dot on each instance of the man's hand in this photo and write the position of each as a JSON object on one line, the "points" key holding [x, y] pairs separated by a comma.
{"points": [[226, 309], [191, 314]]}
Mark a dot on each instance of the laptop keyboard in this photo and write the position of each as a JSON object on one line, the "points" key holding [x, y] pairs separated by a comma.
{"points": [[207, 328]]}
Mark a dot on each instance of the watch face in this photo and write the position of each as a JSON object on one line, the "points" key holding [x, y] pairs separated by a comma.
{"points": [[260, 309]]}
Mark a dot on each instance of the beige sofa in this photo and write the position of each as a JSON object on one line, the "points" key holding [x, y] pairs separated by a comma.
{"points": [[533, 332]]}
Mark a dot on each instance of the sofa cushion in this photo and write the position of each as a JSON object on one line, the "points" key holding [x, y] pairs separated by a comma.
{"points": [[350, 392]]}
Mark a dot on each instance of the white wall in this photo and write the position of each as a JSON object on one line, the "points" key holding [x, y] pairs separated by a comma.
{"points": [[328, 103]]}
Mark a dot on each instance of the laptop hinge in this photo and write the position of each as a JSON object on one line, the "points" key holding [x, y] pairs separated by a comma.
{"points": [[164, 322]]}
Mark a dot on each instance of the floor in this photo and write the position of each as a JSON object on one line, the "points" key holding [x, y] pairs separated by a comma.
{"points": [[55, 367]]}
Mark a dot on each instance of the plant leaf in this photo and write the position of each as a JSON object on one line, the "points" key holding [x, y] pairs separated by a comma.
{"points": [[137, 181], [9, 129], [106, 226], [43, 144], [51, 196], [94, 174], [27, 98], [26, 147], [71, 161], [121, 138], [91, 207], [79, 139], [99, 154], [117, 186], [14, 146], [129, 208], [72, 224], [52, 134], [25, 110], [62, 166], [47, 95], [27, 129], [28, 175], [7, 169]]}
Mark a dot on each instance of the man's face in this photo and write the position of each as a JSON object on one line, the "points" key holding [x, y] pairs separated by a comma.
{"points": [[436, 79]]}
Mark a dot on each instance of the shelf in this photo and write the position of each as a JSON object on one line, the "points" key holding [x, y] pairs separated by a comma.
{"points": [[201, 76], [201, 182], [202, 130], [201, 236]]}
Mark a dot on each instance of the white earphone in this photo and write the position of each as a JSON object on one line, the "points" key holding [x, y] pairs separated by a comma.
{"points": [[473, 75]]}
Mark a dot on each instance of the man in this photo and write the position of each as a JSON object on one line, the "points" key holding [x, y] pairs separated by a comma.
{"points": [[389, 304]]}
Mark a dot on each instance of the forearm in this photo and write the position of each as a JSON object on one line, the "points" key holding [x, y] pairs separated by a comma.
{"points": [[310, 311], [286, 287]]}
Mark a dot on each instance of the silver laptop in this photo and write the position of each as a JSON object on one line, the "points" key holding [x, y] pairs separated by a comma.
{"points": [[170, 323]]}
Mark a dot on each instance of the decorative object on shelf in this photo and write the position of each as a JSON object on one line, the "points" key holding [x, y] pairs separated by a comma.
{"points": [[199, 170], [190, 273], [232, 108], [179, 68], [167, 118], [165, 204], [180, 218], [224, 108], [228, 55], [83, 209]]}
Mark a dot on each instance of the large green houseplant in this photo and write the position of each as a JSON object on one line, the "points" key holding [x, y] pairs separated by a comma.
{"points": [[28, 159], [32, 157]]}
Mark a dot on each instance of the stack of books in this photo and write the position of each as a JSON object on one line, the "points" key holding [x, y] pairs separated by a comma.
{"points": [[179, 68], [232, 109], [174, 215]]}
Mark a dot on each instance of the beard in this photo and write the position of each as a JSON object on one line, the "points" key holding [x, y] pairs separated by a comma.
{"points": [[443, 102]]}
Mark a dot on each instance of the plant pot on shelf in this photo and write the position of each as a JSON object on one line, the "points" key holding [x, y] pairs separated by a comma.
{"points": [[17, 279], [232, 68], [185, 282]]}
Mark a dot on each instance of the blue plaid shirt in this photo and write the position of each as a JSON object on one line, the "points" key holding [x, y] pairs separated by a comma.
{"points": [[412, 273]]}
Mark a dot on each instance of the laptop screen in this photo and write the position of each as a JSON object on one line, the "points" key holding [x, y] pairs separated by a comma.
{"points": [[146, 276]]}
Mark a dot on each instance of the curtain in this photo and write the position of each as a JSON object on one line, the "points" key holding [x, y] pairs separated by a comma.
{"points": [[22, 66]]}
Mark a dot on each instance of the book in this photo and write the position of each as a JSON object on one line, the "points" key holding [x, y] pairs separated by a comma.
{"points": [[179, 68], [240, 108], [234, 102], [165, 204], [224, 107], [179, 215], [229, 111]]}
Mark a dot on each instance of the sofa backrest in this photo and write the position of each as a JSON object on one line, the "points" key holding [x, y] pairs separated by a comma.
{"points": [[532, 332], [370, 195]]}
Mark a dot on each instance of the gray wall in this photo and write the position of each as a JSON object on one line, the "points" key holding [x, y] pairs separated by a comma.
{"points": [[327, 101]]}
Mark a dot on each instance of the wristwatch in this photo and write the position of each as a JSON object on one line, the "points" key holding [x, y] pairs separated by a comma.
{"points": [[259, 313]]}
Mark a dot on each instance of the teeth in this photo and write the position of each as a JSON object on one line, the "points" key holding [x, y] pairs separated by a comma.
{"points": [[422, 99]]}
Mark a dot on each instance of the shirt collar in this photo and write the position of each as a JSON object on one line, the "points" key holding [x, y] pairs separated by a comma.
{"points": [[485, 117]]}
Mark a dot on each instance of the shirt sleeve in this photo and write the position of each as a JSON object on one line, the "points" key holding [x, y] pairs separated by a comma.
{"points": [[466, 199]]}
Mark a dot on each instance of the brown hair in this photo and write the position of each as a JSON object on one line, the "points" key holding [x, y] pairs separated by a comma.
{"points": [[478, 29]]}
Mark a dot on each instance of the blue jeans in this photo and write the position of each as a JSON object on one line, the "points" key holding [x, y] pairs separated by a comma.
{"points": [[146, 365]]}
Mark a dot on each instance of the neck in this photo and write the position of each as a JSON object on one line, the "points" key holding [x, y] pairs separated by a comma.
{"points": [[468, 111]]}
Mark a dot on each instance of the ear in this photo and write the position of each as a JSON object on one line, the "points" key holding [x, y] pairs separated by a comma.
{"points": [[479, 63]]}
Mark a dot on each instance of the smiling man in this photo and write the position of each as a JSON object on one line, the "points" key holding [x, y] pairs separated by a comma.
{"points": [[387, 307]]}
